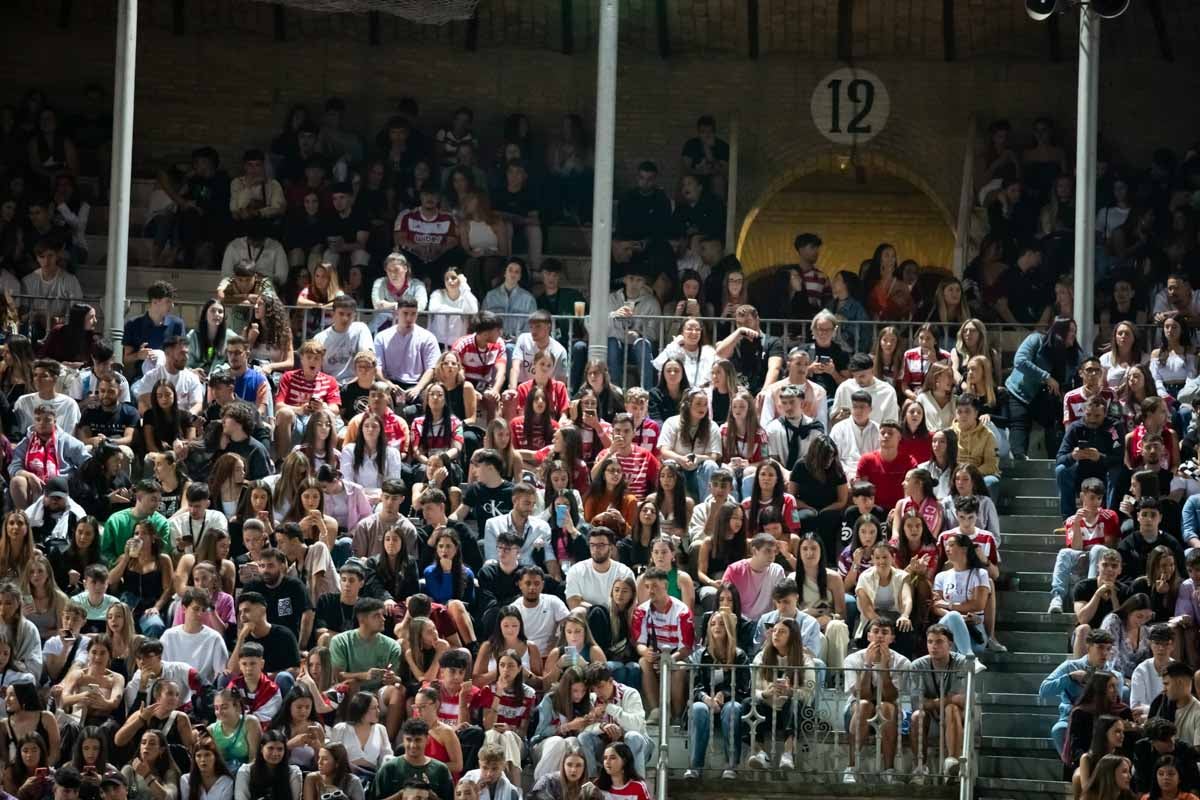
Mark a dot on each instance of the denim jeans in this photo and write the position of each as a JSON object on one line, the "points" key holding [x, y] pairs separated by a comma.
{"points": [[729, 723], [696, 480], [641, 353], [1065, 564], [962, 637], [627, 674], [992, 482], [152, 625], [593, 746]]}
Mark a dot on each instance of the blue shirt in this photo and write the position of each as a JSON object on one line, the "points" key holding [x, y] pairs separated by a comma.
{"points": [[246, 386], [1060, 684], [439, 585], [142, 331]]}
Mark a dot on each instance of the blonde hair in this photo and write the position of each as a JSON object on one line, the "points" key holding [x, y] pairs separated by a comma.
{"points": [[726, 618], [58, 600], [989, 385], [978, 325]]}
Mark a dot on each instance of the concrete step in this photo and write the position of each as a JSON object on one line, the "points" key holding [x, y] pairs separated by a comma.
{"points": [[1007, 767], [98, 220], [1032, 582], [1011, 745], [1047, 544], [1013, 601], [1044, 485], [1052, 641], [1030, 522], [141, 250], [1041, 505], [191, 286], [1014, 682], [1033, 468], [1008, 620], [1031, 721], [1013, 559], [1016, 789], [1002, 702], [571, 239], [1025, 662]]}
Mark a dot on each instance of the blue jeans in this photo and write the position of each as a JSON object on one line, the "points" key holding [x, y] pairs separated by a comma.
{"points": [[696, 480], [593, 747], [1058, 732], [152, 625], [285, 681], [628, 674], [1065, 564], [992, 482], [641, 352], [729, 722], [962, 637]]}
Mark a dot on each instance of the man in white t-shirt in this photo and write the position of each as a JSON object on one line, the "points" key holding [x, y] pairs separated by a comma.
{"points": [[532, 342], [45, 378], [193, 642], [857, 434], [344, 339], [590, 582], [189, 391], [540, 612], [876, 681], [884, 406]]}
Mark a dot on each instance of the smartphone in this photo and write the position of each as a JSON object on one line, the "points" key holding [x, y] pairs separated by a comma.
{"points": [[41, 773], [560, 515]]}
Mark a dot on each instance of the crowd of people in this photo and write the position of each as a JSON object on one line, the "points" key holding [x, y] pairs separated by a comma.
{"points": [[355, 531]]}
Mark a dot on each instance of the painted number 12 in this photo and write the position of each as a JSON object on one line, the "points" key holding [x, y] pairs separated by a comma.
{"points": [[861, 92]]}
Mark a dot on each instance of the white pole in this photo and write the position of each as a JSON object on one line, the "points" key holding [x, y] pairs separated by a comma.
{"points": [[1088, 91], [122, 158], [731, 186], [602, 197]]}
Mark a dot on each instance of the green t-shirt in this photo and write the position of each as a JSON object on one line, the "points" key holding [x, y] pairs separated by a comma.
{"points": [[119, 529], [392, 776], [95, 613], [349, 652]]}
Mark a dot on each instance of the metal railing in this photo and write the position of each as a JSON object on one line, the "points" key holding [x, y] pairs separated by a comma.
{"points": [[815, 716]]}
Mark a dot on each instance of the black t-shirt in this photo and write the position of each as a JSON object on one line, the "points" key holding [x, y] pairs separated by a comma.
{"points": [[280, 651], [486, 502], [693, 150], [110, 423], [750, 357], [643, 216], [841, 360], [351, 394], [252, 451], [286, 603], [333, 614], [496, 587], [518, 204], [1086, 588], [850, 516], [1027, 294], [347, 227], [817, 494], [706, 217]]}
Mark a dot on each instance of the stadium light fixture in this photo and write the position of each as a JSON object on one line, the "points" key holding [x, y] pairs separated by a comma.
{"points": [[1042, 10]]}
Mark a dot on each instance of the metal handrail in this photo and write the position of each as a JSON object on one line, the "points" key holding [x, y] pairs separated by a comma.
{"points": [[820, 735]]}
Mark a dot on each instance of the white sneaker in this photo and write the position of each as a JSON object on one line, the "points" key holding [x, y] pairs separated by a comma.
{"points": [[690, 774], [787, 761], [889, 776], [993, 645], [652, 716], [950, 766], [760, 760], [729, 775], [919, 774], [1056, 605], [848, 775]]}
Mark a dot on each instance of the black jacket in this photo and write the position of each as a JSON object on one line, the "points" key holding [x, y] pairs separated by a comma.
{"points": [[734, 683], [1106, 438]]}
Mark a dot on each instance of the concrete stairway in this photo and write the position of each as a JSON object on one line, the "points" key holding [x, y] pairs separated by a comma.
{"points": [[1017, 758]]}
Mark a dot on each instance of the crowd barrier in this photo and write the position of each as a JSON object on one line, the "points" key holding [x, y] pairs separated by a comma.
{"points": [[817, 717]]}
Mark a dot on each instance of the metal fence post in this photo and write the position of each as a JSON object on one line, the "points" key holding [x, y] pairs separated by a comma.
{"points": [[966, 770], [665, 662]]}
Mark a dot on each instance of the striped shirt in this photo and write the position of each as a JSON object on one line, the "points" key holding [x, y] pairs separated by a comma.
{"points": [[640, 467], [483, 368], [512, 710], [439, 438], [673, 628], [634, 790], [448, 705]]}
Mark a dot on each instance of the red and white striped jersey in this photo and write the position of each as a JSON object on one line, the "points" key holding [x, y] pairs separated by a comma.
{"points": [[483, 368], [425, 231], [673, 628]]}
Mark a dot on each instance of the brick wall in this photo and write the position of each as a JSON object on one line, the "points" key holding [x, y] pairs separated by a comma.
{"points": [[231, 89]]}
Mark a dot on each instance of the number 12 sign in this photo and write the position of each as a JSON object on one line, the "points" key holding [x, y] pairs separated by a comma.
{"points": [[850, 105]]}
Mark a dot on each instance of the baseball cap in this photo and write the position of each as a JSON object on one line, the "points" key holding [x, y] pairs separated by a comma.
{"points": [[113, 779], [58, 487]]}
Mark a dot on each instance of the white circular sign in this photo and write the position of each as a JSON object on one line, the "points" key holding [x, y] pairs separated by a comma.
{"points": [[850, 105]]}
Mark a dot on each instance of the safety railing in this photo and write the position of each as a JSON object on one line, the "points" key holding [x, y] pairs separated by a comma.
{"points": [[800, 718]]}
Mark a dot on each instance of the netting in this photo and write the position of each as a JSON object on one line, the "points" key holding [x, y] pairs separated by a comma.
{"points": [[428, 12]]}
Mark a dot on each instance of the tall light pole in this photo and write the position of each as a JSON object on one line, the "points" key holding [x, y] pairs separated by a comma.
{"points": [[117, 260], [602, 194], [1087, 94]]}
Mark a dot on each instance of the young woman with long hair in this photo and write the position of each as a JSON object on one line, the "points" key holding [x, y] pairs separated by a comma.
{"points": [[21, 772], [1173, 363], [916, 553], [123, 638], [919, 495], [438, 433], [17, 547], [269, 774], [943, 460], [721, 389], [768, 490], [937, 396], [919, 359], [90, 757], [235, 731], [225, 483], [82, 551], [323, 288], [960, 594], [369, 460], [609, 400], [172, 478], [671, 500], [888, 356], [365, 738], [1129, 625], [569, 781], [509, 634], [856, 558], [594, 431], [821, 492], [499, 438], [567, 541], [970, 342], [619, 776], [297, 719], [693, 440], [950, 310], [163, 721], [1161, 584], [888, 296], [535, 427], [45, 600], [679, 583], [743, 440], [612, 626], [422, 648], [609, 490], [206, 341], [309, 511], [915, 436], [269, 335], [721, 692], [487, 238], [72, 342], [209, 778], [993, 400], [667, 394], [1124, 352], [448, 580], [1101, 696], [443, 741], [823, 596], [27, 716], [285, 483], [508, 703], [1043, 367], [320, 440], [95, 692], [782, 690], [692, 349], [1108, 736], [394, 571], [574, 646], [1167, 780], [966, 481], [727, 545], [164, 422]]}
